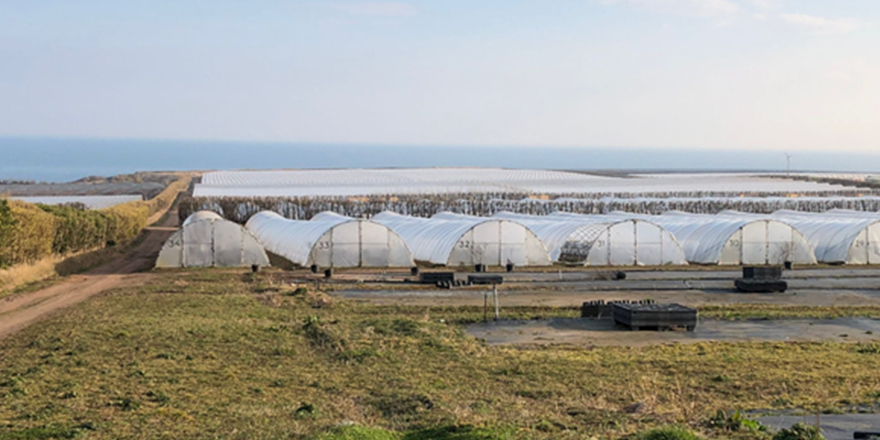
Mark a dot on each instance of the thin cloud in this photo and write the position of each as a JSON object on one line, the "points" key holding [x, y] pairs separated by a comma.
{"points": [[765, 5], [376, 9], [821, 25], [699, 8]]}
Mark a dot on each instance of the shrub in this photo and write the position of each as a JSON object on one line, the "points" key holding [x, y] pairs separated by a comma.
{"points": [[800, 431], [28, 233], [735, 422], [668, 433]]}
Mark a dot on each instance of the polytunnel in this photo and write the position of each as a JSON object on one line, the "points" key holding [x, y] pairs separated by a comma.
{"points": [[330, 240], [598, 240], [455, 240], [838, 237], [733, 240], [207, 240]]}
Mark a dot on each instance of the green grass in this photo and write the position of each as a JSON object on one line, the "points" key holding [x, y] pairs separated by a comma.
{"points": [[773, 311], [205, 354]]}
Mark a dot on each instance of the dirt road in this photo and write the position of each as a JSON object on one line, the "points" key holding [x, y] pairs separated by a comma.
{"points": [[20, 311]]}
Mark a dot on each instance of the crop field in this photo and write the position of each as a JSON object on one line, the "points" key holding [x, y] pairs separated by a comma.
{"points": [[224, 354], [362, 182]]}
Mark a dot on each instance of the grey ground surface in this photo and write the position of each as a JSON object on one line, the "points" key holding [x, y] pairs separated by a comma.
{"points": [[814, 286], [835, 427], [603, 332]]}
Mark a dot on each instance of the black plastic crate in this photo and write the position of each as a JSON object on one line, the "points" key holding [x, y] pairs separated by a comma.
{"points": [[655, 316], [436, 277], [754, 285], [762, 272], [485, 279]]}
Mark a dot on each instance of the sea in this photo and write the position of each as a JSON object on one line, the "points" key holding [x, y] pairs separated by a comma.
{"points": [[63, 160]]}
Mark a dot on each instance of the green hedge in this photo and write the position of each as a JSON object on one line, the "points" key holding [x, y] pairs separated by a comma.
{"points": [[29, 233]]}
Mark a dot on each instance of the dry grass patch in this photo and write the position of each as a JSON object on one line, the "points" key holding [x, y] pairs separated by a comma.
{"points": [[201, 354]]}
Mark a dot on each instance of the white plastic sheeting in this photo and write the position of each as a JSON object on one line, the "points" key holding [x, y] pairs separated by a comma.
{"points": [[91, 202], [733, 240], [838, 237], [201, 215], [456, 240], [206, 240], [597, 240], [359, 182], [330, 240]]}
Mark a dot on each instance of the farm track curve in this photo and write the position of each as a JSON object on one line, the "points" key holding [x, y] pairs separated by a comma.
{"points": [[19, 311]]}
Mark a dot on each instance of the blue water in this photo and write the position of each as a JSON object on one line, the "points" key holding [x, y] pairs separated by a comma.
{"points": [[58, 160]]}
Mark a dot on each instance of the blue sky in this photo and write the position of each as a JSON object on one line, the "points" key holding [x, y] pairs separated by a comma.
{"points": [[710, 74]]}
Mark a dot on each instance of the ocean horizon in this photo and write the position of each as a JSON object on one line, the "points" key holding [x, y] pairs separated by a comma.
{"points": [[62, 160]]}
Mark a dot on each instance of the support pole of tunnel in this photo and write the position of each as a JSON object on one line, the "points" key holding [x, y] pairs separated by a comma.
{"points": [[495, 292]]}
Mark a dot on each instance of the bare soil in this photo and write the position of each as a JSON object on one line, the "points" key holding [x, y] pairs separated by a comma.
{"points": [[603, 332], [20, 311]]}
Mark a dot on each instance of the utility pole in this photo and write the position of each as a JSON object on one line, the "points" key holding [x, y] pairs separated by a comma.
{"points": [[787, 165]]}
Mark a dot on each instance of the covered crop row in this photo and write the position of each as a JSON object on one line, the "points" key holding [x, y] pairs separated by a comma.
{"points": [[240, 209], [31, 232]]}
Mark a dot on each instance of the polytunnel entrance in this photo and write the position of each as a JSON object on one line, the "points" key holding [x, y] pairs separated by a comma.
{"points": [[493, 243], [330, 240], [766, 243], [865, 249], [602, 240], [460, 240], [207, 240], [360, 244]]}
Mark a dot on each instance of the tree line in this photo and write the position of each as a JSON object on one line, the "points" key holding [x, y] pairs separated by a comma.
{"points": [[240, 209]]}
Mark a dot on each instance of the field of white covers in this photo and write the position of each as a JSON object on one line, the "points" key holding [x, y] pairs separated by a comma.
{"points": [[370, 182], [90, 202]]}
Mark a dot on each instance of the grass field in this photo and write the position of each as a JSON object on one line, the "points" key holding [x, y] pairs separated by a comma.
{"points": [[205, 354]]}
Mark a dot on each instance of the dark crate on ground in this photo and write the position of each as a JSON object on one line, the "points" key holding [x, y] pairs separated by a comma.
{"points": [[655, 316], [485, 279], [601, 308], [762, 272], [755, 285], [436, 277]]}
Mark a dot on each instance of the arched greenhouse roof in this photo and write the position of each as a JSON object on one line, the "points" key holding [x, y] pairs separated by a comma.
{"points": [[730, 239], [201, 215], [603, 239], [447, 238], [330, 240], [207, 240], [838, 237]]}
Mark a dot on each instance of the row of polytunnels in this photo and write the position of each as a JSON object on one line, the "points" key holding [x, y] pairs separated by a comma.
{"points": [[388, 239]]}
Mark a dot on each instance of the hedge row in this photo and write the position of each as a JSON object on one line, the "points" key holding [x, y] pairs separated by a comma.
{"points": [[29, 233]]}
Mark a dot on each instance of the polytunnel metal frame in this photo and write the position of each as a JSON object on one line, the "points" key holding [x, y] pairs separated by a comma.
{"points": [[330, 240], [207, 240], [733, 240], [601, 240], [454, 240]]}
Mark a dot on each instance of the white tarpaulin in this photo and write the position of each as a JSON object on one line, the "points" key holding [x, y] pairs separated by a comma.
{"points": [[598, 240], [454, 240], [330, 240], [206, 240], [733, 240]]}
